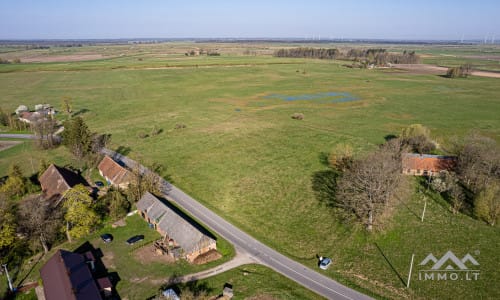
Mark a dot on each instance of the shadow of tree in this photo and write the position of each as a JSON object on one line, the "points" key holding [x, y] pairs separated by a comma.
{"points": [[390, 137], [324, 184], [80, 112]]}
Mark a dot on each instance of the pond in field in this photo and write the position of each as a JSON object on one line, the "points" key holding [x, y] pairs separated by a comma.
{"points": [[328, 97]]}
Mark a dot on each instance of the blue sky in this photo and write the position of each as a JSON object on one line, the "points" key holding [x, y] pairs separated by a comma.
{"points": [[384, 19]]}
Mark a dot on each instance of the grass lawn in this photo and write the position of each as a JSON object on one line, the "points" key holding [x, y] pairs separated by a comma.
{"points": [[252, 282], [244, 157], [138, 280]]}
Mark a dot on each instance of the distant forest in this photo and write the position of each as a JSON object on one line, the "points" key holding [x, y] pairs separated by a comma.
{"points": [[378, 57]]}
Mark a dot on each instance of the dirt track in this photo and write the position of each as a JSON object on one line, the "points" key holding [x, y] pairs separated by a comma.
{"points": [[62, 58], [432, 69], [7, 144]]}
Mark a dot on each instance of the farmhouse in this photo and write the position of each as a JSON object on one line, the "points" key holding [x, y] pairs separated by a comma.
{"points": [[42, 111], [68, 276], [427, 164], [56, 180], [114, 173], [175, 226]]}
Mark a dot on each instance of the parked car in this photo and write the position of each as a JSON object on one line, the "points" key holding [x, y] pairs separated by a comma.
{"points": [[325, 263], [135, 239], [107, 237], [99, 183]]}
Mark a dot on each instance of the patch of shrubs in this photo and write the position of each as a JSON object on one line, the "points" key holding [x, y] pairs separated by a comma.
{"points": [[298, 116], [180, 126], [142, 135]]}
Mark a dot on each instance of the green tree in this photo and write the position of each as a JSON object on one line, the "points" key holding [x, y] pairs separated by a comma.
{"points": [[66, 104], [341, 157], [16, 184], [4, 118], [418, 138], [7, 223], [118, 204], [77, 137], [80, 215], [487, 204]]}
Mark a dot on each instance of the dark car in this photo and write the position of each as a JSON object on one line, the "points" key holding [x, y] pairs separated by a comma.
{"points": [[107, 238], [135, 239], [99, 183]]}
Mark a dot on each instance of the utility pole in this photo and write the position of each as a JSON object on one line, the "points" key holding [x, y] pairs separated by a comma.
{"points": [[8, 277], [409, 274], [423, 211]]}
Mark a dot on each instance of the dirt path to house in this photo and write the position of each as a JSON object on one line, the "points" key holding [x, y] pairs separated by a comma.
{"points": [[4, 145], [241, 258], [437, 70]]}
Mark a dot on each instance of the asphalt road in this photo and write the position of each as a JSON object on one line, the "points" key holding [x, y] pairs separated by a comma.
{"points": [[16, 136], [299, 273]]}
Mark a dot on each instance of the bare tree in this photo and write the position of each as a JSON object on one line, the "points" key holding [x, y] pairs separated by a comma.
{"points": [[366, 189], [44, 130], [144, 181], [478, 162], [38, 221], [457, 197]]}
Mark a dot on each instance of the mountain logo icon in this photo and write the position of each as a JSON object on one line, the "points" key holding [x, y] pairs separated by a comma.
{"points": [[449, 261]]}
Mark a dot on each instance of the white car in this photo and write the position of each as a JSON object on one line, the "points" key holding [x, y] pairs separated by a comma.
{"points": [[325, 263]]}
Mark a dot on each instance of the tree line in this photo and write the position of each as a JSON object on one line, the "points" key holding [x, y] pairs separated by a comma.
{"points": [[376, 56]]}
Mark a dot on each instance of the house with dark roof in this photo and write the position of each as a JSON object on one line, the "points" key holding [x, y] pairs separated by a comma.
{"points": [[57, 180], [176, 227], [427, 164], [114, 173], [68, 276]]}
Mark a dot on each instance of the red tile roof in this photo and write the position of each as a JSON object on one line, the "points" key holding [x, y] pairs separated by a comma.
{"points": [[427, 162], [113, 171], [66, 276]]}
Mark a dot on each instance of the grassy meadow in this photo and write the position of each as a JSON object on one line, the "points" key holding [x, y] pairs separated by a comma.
{"points": [[242, 155]]}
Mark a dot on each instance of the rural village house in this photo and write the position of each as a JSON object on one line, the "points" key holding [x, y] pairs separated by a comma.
{"points": [[70, 276], [42, 111], [114, 173], [173, 225], [56, 180], [426, 164]]}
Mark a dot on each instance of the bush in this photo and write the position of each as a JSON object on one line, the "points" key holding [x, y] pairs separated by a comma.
{"points": [[298, 116], [156, 131], [462, 71], [180, 126], [142, 135]]}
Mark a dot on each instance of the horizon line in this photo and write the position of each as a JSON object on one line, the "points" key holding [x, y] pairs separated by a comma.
{"points": [[312, 39]]}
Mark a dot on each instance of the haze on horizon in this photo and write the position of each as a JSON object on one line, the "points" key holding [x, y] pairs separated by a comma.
{"points": [[365, 19]]}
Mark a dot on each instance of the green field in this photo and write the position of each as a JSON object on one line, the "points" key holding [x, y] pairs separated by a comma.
{"points": [[243, 156]]}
